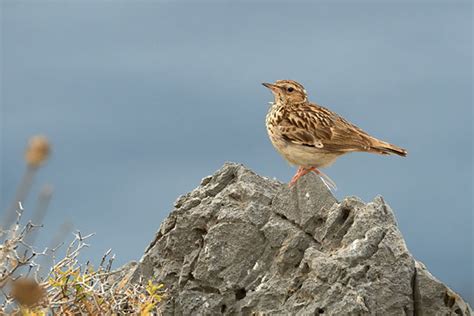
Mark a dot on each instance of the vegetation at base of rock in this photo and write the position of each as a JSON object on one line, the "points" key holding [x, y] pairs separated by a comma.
{"points": [[69, 288], [43, 282]]}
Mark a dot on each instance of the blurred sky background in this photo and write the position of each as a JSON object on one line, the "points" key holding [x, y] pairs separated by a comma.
{"points": [[142, 99]]}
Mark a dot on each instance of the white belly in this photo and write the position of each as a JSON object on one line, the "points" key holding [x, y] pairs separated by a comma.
{"points": [[303, 156]]}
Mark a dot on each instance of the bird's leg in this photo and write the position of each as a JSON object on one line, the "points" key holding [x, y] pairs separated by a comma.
{"points": [[325, 178], [301, 172]]}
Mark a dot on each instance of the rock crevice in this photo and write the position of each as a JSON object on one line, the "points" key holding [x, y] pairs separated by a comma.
{"points": [[243, 244]]}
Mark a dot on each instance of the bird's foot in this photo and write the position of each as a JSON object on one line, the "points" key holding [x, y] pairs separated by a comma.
{"points": [[301, 172], [330, 184]]}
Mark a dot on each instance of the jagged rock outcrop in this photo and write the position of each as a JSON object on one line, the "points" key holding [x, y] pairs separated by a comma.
{"points": [[244, 244]]}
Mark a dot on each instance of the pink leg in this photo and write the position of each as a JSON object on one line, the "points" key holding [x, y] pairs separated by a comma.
{"points": [[301, 172]]}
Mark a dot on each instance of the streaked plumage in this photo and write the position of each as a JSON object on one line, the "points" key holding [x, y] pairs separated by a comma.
{"points": [[311, 136]]}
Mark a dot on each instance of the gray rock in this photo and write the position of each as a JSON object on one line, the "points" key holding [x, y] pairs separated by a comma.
{"points": [[122, 275], [245, 244]]}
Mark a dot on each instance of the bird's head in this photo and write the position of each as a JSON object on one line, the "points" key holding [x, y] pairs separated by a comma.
{"points": [[287, 91]]}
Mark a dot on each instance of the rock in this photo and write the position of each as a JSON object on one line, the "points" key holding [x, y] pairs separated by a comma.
{"points": [[245, 244], [120, 277]]}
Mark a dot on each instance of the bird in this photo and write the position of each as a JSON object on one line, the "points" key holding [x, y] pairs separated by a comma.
{"points": [[311, 136]]}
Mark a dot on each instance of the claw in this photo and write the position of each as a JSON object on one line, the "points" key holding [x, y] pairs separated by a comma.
{"points": [[328, 182], [301, 172]]}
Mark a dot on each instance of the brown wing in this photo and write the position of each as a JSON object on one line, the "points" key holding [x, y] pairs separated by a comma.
{"points": [[313, 125]]}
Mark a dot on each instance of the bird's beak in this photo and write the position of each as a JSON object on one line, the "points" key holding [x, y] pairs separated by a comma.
{"points": [[271, 86]]}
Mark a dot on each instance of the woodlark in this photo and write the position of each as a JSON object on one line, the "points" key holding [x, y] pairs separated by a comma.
{"points": [[310, 136]]}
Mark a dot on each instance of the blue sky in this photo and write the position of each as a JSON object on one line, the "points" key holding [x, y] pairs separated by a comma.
{"points": [[142, 99]]}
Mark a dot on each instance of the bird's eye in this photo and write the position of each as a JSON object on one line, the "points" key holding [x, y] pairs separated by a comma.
{"points": [[290, 89]]}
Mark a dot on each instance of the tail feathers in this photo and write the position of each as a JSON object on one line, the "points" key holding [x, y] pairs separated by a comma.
{"points": [[385, 148]]}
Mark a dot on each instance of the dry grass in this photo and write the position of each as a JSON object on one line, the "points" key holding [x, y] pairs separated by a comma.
{"points": [[67, 287]]}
